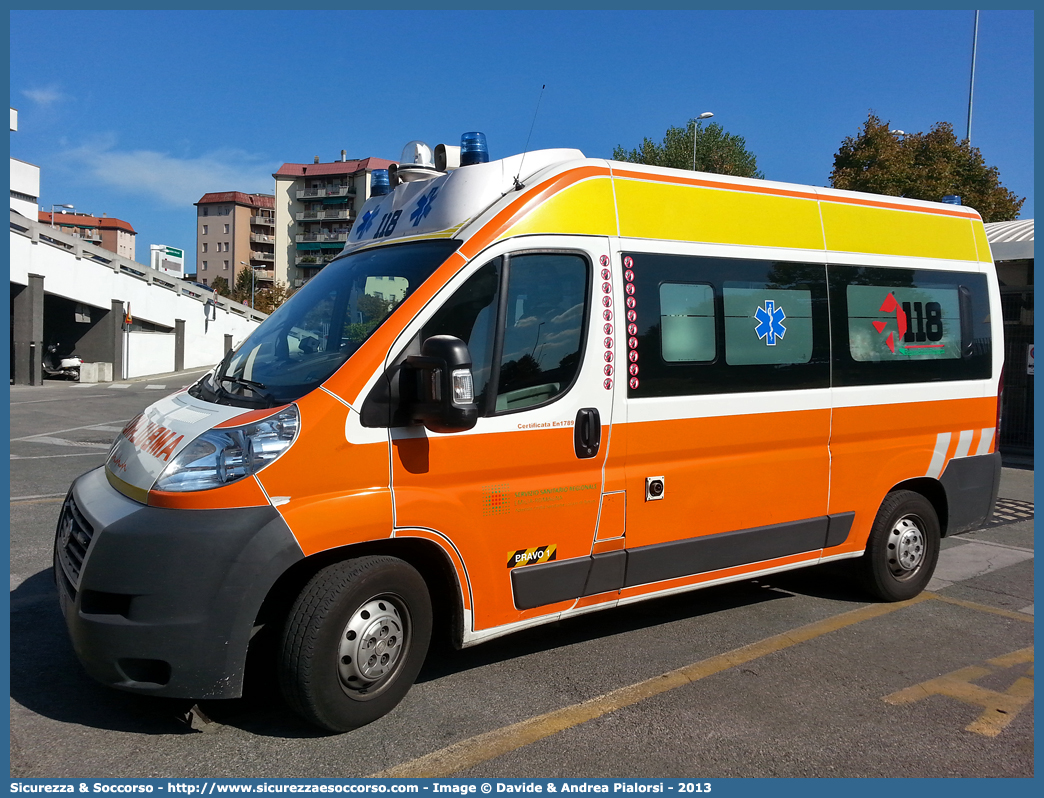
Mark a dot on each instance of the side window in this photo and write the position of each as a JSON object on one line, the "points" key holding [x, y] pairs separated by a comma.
{"points": [[724, 325], [542, 331], [470, 315], [687, 323], [528, 357], [767, 325], [890, 322], [909, 325]]}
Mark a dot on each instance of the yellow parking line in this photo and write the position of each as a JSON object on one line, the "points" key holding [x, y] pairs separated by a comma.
{"points": [[483, 747], [39, 501], [998, 709], [973, 605]]}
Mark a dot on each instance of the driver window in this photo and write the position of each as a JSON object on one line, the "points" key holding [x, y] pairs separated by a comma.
{"points": [[543, 329], [470, 315]]}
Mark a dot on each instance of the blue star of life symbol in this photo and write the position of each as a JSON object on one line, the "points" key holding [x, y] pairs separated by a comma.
{"points": [[770, 322], [424, 206], [366, 221]]}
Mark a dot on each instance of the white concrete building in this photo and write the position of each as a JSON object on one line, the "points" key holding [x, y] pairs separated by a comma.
{"points": [[107, 309], [25, 182]]}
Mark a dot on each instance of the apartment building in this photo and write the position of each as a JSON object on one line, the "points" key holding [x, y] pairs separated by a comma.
{"points": [[234, 230], [107, 232], [314, 210]]}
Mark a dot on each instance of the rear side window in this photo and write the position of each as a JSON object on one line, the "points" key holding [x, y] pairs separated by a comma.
{"points": [[724, 325], [909, 325], [912, 323]]}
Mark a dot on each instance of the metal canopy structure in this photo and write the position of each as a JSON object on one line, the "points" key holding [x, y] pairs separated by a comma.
{"points": [[1011, 240]]}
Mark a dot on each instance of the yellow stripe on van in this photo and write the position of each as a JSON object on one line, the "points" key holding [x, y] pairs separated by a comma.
{"points": [[692, 213], [981, 244], [585, 208], [882, 231]]}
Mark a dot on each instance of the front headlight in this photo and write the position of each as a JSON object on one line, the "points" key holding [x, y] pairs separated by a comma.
{"points": [[221, 456]]}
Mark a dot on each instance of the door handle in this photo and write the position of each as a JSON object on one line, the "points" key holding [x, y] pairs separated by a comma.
{"points": [[587, 432]]}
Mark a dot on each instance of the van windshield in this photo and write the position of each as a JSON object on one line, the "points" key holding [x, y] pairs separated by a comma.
{"points": [[314, 332]]}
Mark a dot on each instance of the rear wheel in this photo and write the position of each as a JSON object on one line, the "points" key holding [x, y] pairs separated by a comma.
{"points": [[903, 547], [354, 641]]}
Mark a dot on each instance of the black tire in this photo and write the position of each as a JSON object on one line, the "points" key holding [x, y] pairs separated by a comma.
{"points": [[374, 605], [903, 547]]}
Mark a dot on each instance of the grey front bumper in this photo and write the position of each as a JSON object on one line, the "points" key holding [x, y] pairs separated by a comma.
{"points": [[163, 601]]}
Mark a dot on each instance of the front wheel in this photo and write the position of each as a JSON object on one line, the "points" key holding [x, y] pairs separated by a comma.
{"points": [[355, 641], [903, 547]]}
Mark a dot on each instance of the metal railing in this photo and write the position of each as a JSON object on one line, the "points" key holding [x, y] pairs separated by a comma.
{"points": [[314, 261], [311, 216], [43, 234], [331, 237], [326, 191]]}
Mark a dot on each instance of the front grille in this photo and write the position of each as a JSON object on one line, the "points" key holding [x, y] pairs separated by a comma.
{"points": [[72, 540]]}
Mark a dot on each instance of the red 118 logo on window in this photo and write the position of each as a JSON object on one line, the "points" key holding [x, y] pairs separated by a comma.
{"points": [[926, 323]]}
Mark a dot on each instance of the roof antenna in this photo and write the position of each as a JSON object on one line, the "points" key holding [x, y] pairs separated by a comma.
{"points": [[519, 186]]}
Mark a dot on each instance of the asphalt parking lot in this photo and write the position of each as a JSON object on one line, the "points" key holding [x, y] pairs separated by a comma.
{"points": [[794, 675]]}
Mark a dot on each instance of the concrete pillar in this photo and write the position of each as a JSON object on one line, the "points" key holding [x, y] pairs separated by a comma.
{"points": [[179, 344], [96, 344], [28, 332], [228, 342], [118, 337]]}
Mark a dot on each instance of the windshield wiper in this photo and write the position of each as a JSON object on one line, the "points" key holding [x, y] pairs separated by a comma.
{"points": [[256, 387]]}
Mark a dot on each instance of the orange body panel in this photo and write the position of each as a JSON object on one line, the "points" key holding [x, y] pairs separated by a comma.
{"points": [[251, 416], [726, 473], [338, 491], [497, 492], [614, 544], [874, 448], [611, 519], [601, 598], [458, 564]]}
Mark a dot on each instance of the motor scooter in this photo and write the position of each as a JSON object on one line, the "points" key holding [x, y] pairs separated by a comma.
{"points": [[56, 366]]}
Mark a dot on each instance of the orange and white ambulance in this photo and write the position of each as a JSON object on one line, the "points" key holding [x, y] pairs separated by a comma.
{"points": [[532, 388]]}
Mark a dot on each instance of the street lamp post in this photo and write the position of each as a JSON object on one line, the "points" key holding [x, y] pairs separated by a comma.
{"points": [[70, 207], [704, 115], [253, 275], [971, 82]]}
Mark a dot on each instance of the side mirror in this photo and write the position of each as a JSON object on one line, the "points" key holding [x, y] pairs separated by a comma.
{"points": [[445, 388]]}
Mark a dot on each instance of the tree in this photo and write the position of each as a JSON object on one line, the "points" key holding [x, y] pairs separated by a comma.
{"points": [[925, 166], [267, 299], [220, 286], [244, 285], [716, 151]]}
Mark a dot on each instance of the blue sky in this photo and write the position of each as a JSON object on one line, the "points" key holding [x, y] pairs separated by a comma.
{"points": [[137, 114]]}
